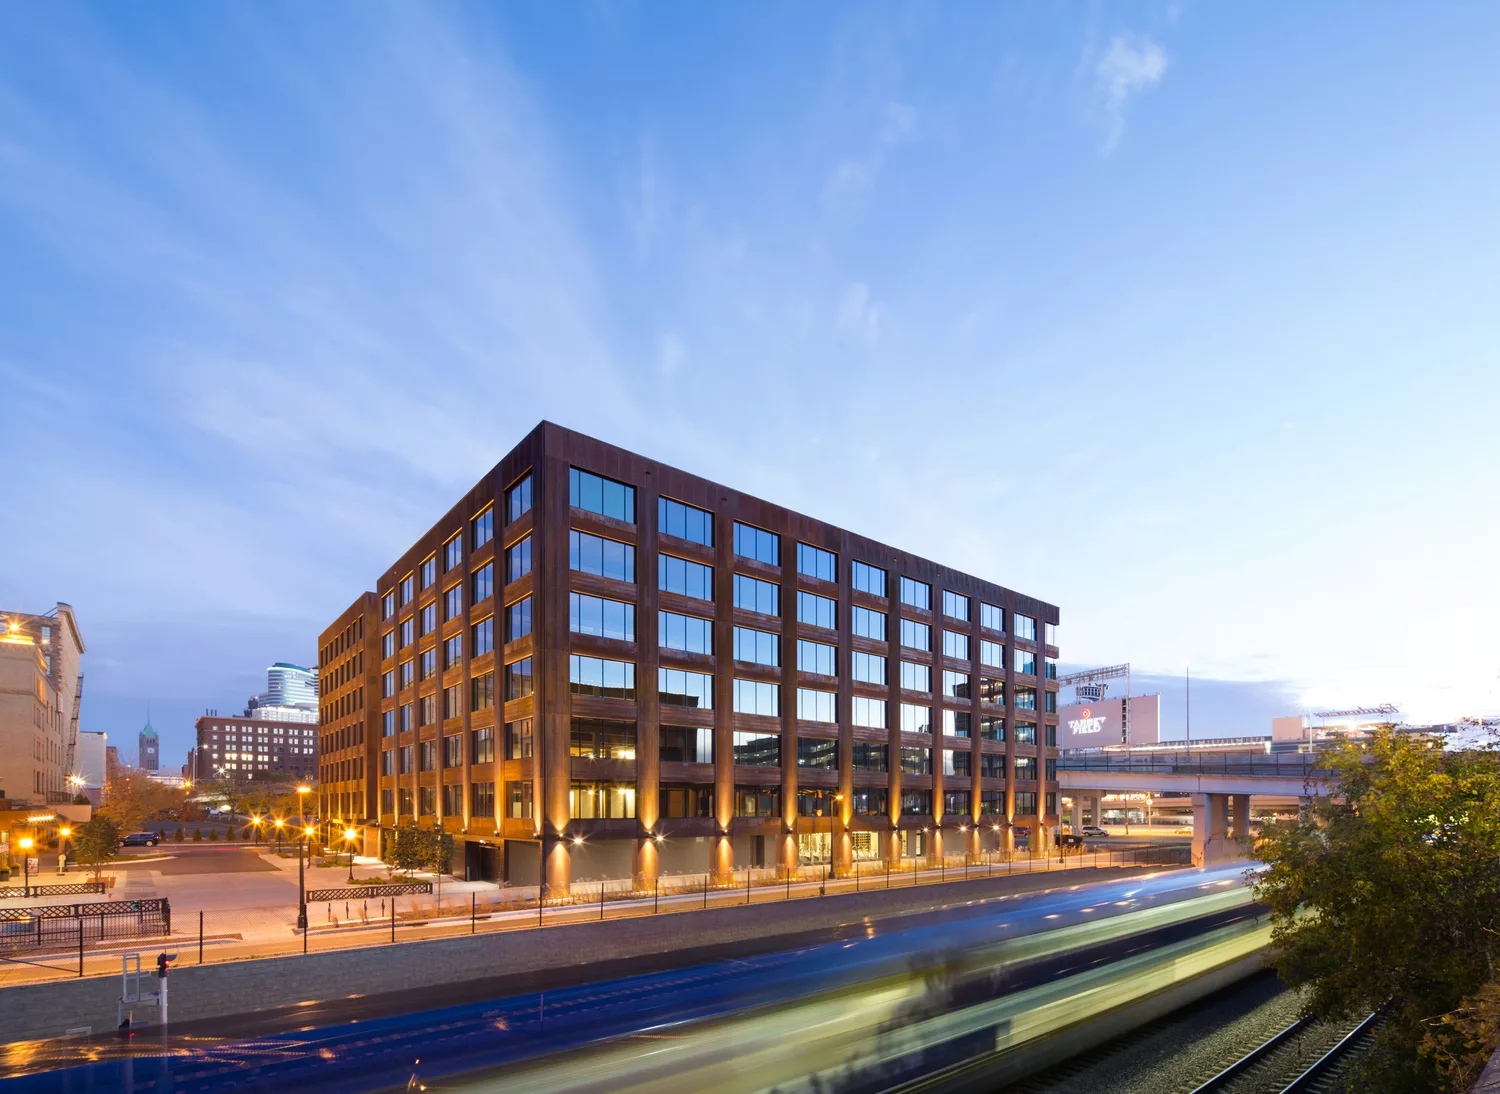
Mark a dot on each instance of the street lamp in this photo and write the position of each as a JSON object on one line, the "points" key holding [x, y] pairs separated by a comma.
{"points": [[279, 824], [302, 881], [349, 835], [255, 819], [26, 844], [62, 851]]}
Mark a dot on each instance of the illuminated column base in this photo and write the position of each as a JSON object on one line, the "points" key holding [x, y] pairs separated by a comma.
{"points": [[1078, 813], [786, 855], [890, 848], [647, 864], [557, 869], [843, 855], [722, 863]]}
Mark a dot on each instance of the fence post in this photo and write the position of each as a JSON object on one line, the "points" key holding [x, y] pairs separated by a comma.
{"points": [[393, 919], [601, 901], [166, 915], [747, 885], [705, 891], [656, 902], [788, 884], [473, 911], [200, 936], [80, 945]]}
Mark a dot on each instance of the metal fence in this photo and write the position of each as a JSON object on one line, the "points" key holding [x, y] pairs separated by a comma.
{"points": [[80, 888], [368, 892], [64, 924], [1286, 765]]}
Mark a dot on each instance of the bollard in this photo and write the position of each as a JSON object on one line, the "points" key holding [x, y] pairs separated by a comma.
{"points": [[656, 903], [473, 911]]}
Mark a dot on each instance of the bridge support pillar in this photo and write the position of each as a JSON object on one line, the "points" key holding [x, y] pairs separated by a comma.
{"points": [[1241, 813], [1077, 812], [1211, 843]]}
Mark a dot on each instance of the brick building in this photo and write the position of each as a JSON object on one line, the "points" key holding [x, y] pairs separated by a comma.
{"points": [[596, 665], [253, 750]]}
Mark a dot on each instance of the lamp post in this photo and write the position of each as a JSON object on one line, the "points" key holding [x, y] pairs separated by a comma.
{"points": [[302, 881], [62, 851], [349, 835], [26, 844], [279, 824]]}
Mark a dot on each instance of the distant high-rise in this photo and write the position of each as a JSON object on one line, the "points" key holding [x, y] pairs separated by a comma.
{"points": [[149, 750], [291, 695]]}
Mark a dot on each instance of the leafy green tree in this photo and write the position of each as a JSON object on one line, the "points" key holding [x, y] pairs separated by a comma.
{"points": [[130, 798], [406, 848], [95, 841], [1387, 890]]}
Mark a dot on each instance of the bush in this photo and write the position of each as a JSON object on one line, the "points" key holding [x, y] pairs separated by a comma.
{"points": [[197, 835], [213, 835], [178, 835]]}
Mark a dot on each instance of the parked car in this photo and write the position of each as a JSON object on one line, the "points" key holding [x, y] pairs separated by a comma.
{"points": [[138, 839], [1093, 830]]}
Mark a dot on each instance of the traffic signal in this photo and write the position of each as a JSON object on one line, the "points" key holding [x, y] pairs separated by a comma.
{"points": [[163, 964]]}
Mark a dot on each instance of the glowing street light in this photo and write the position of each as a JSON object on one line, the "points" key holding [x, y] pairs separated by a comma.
{"points": [[349, 837], [26, 845]]}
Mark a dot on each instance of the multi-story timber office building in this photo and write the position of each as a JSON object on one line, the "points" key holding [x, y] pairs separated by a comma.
{"points": [[599, 666]]}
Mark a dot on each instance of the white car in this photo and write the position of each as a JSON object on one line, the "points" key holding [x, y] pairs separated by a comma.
{"points": [[1093, 830]]}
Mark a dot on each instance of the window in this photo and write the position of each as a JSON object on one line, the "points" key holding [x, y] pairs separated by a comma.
{"points": [[388, 605], [481, 800], [675, 518], [916, 593], [757, 749], [757, 697], [1025, 733], [1049, 631], [757, 543], [869, 756], [817, 706], [406, 723], [956, 762], [991, 654], [1051, 706], [868, 667], [453, 553], [687, 801], [1051, 770], [427, 660], [427, 710], [915, 719], [915, 677], [388, 762], [600, 495], [602, 739], [519, 807], [518, 502], [816, 562], [816, 657], [605, 557], [482, 637], [992, 803], [677, 688], [601, 801], [428, 619], [956, 685], [407, 590], [869, 801], [453, 750], [518, 559], [387, 684], [679, 575], [407, 670], [956, 645], [482, 692], [992, 691], [867, 579], [600, 677], [387, 723], [916, 636], [453, 652], [598, 616], [408, 757], [1026, 767], [406, 632], [518, 739], [453, 701], [1025, 662], [481, 529], [388, 644], [759, 647], [990, 617], [817, 611], [1051, 736], [955, 606], [453, 602], [819, 753], [866, 623], [483, 580], [991, 765], [1051, 669], [864, 711], [427, 572], [1024, 626], [916, 803], [483, 744], [686, 744], [991, 728], [956, 723], [1025, 698], [757, 801], [684, 632], [754, 595], [518, 679], [916, 761], [956, 802]]}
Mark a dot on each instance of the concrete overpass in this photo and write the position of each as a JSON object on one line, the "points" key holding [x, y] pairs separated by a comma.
{"points": [[1216, 782]]}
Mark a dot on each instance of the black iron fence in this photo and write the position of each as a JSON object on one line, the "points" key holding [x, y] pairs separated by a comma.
{"points": [[370, 892], [74, 924], [79, 888]]}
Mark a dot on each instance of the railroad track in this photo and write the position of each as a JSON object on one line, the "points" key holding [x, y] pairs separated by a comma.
{"points": [[1278, 1064]]}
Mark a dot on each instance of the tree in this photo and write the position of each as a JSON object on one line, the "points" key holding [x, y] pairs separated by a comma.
{"points": [[80, 799], [178, 836], [1388, 889], [130, 797], [95, 841], [406, 848]]}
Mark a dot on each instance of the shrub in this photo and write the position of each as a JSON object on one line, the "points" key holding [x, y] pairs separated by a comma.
{"points": [[197, 835], [178, 834], [213, 835]]}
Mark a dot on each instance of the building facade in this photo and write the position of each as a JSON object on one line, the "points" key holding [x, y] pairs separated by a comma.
{"points": [[33, 749], [60, 643], [254, 750], [596, 665], [291, 695], [148, 749]]}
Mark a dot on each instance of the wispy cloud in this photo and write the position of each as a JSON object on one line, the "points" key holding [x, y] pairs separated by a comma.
{"points": [[849, 185], [1127, 67], [858, 313]]}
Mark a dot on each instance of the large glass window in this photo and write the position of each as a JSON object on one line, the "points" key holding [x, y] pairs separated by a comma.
{"points": [[453, 552], [956, 645], [518, 559], [519, 805], [867, 667], [817, 657], [453, 750], [601, 677], [482, 637], [597, 494], [916, 593], [915, 719], [686, 744], [685, 689], [687, 801], [757, 801], [675, 518], [1023, 626], [481, 529], [1025, 699], [1051, 669], [819, 753], [426, 664], [754, 595], [518, 619], [864, 711], [597, 616], [955, 606], [482, 692], [483, 580], [427, 572], [761, 647], [956, 802], [991, 654], [1050, 631], [915, 677], [867, 623], [518, 500], [817, 611], [589, 554], [956, 685], [817, 706], [991, 765], [757, 749], [990, 617], [916, 636], [916, 803], [757, 697], [869, 801], [870, 757], [867, 579], [684, 632], [992, 690], [757, 543], [816, 562], [916, 761], [453, 602], [519, 739], [407, 632], [1025, 733], [388, 605], [686, 578], [408, 590], [481, 800], [601, 801], [518, 683], [991, 728], [1026, 767], [956, 762], [603, 739], [992, 803], [1025, 662], [956, 723]]}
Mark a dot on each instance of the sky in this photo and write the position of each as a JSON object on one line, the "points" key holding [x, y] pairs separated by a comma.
{"points": [[1180, 316]]}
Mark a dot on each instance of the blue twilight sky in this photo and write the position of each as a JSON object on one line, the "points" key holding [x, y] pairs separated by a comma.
{"points": [[1181, 316]]}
